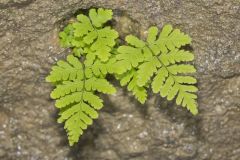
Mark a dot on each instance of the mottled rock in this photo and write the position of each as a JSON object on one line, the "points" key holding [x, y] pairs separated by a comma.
{"points": [[126, 130]]}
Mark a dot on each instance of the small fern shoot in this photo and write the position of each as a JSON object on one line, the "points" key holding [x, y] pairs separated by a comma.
{"points": [[82, 75], [159, 62]]}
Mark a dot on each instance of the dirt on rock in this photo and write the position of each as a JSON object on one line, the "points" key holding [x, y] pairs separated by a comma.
{"points": [[125, 130]]}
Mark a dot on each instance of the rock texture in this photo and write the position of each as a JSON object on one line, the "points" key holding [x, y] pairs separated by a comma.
{"points": [[125, 130]]}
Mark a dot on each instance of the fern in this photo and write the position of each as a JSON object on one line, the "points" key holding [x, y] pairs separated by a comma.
{"points": [[91, 32], [160, 62], [82, 75], [130, 78], [75, 95]]}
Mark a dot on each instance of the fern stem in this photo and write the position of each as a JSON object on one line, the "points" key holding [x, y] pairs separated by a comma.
{"points": [[84, 81]]}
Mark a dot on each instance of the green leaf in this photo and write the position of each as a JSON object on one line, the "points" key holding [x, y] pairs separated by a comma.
{"points": [[104, 43], [161, 62], [100, 85], [172, 92], [140, 93], [185, 79], [159, 79], [66, 36], [130, 79], [102, 68], [134, 41], [75, 94], [83, 27], [90, 35], [146, 71], [166, 87], [181, 68], [152, 35], [83, 74], [176, 56], [69, 112], [70, 70], [92, 99], [68, 99], [170, 39], [187, 100], [129, 57], [89, 111], [100, 16], [66, 87], [126, 77]]}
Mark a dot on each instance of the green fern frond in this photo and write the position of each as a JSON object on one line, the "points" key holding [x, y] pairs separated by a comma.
{"points": [[130, 79], [100, 16], [160, 62], [84, 72], [170, 39], [100, 85], [66, 87], [75, 97], [66, 36], [139, 92], [90, 33], [129, 57], [70, 70], [176, 56], [146, 70]]}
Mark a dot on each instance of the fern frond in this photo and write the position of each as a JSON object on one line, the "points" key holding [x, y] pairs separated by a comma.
{"points": [[170, 39], [146, 70], [130, 79], [134, 41], [80, 114], [70, 70], [159, 79], [83, 26], [159, 62], [100, 16], [68, 99], [75, 94], [89, 35], [176, 56], [104, 43], [66, 36], [161, 59], [152, 35], [171, 85], [129, 57], [92, 99], [181, 68], [66, 87], [139, 92], [77, 80], [100, 85]]}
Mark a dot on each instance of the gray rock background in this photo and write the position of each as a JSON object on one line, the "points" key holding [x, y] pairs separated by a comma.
{"points": [[126, 130]]}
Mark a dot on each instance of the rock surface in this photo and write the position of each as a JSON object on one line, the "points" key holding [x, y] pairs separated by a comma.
{"points": [[125, 130]]}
